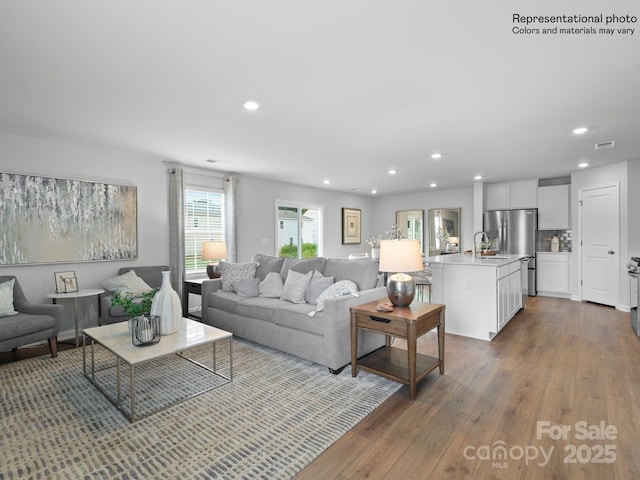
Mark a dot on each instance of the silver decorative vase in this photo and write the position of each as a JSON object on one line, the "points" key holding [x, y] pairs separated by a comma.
{"points": [[166, 304]]}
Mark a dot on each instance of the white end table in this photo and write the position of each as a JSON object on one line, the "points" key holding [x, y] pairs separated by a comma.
{"points": [[83, 292]]}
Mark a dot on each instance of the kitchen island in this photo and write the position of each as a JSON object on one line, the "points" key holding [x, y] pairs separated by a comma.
{"points": [[481, 293]]}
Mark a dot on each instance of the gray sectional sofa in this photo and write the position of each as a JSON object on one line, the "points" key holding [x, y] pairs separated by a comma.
{"points": [[323, 338]]}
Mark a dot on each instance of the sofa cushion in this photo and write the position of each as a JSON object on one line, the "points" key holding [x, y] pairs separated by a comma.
{"points": [[318, 284], [231, 272], [260, 307], [302, 265], [338, 289], [6, 298], [267, 264], [227, 301], [246, 288], [296, 316], [296, 286], [271, 286], [364, 274], [128, 282]]}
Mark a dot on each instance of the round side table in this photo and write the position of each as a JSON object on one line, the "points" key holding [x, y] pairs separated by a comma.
{"points": [[83, 292]]}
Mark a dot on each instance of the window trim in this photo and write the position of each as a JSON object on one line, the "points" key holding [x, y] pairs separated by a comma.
{"points": [[279, 202]]}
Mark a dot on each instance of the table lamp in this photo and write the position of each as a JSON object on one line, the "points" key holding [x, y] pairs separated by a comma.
{"points": [[214, 251], [400, 256]]}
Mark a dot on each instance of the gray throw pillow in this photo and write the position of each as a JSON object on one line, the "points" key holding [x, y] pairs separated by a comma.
{"points": [[318, 284], [295, 286], [246, 288], [271, 286], [267, 264], [231, 272]]}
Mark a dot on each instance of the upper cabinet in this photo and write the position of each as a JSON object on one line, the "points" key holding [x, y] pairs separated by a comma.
{"points": [[520, 194], [553, 208]]}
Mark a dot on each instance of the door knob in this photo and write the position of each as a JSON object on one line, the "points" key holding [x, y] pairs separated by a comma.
{"points": [[611, 252]]}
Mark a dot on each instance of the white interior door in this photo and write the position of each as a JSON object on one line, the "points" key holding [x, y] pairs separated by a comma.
{"points": [[600, 239]]}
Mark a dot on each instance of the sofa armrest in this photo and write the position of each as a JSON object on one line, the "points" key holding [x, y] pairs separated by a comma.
{"points": [[209, 286], [53, 310], [337, 319]]}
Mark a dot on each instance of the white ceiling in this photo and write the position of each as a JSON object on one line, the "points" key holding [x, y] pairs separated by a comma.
{"points": [[348, 88]]}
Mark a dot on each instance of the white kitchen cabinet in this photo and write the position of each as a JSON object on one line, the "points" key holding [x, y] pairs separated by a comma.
{"points": [[553, 208], [481, 294], [553, 274], [509, 195]]}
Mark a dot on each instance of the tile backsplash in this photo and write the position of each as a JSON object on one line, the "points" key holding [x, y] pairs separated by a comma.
{"points": [[543, 240]]}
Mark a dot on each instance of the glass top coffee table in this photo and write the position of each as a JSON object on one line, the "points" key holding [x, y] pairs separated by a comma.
{"points": [[115, 338]]}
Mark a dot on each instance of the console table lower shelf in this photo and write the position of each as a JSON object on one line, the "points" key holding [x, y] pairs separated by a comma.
{"points": [[409, 323]]}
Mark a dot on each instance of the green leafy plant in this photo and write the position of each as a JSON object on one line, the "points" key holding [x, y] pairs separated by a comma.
{"points": [[133, 306]]}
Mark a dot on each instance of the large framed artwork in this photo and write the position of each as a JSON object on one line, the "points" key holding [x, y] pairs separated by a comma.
{"points": [[350, 226], [55, 220]]}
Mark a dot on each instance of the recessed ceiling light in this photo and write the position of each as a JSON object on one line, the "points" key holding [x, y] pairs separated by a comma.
{"points": [[580, 130], [251, 105], [374, 191], [327, 182], [392, 172], [436, 155], [478, 177], [583, 164], [433, 184]]}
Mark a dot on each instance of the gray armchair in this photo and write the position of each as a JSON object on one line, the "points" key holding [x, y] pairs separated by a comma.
{"points": [[33, 323], [151, 275]]}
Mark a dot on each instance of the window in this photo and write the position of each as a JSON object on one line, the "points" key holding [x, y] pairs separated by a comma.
{"points": [[203, 221], [298, 229]]}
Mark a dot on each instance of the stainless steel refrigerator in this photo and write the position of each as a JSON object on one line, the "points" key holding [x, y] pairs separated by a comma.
{"points": [[513, 232]]}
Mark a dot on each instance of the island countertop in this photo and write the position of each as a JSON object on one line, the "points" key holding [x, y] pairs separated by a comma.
{"points": [[462, 259]]}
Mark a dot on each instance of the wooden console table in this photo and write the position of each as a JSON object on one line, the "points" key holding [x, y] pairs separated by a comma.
{"points": [[409, 323]]}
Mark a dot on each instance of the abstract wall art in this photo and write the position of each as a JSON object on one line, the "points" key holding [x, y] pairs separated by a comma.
{"points": [[55, 220]]}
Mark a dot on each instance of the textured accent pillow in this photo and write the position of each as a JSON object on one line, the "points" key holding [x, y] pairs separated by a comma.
{"points": [[271, 286], [338, 289], [295, 286], [127, 282], [232, 272], [6, 298], [246, 288], [318, 284]]}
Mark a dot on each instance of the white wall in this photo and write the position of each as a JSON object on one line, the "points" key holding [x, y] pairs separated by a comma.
{"points": [[633, 214], [385, 209], [25, 155], [616, 172], [257, 216]]}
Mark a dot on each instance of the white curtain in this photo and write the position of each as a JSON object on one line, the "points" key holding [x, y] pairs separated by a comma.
{"points": [[231, 216]]}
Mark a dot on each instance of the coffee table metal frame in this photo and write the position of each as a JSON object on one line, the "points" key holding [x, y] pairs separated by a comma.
{"points": [[116, 339]]}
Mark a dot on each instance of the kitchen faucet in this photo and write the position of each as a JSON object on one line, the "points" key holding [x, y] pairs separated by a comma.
{"points": [[484, 239]]}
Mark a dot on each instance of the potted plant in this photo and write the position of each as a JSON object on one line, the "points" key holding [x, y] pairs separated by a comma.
{"points": [[374, 243], [133, 306], [144, 329]]}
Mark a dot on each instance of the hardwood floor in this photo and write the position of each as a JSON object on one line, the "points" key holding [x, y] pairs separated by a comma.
{"points": [[559, 361], [32, 351]]}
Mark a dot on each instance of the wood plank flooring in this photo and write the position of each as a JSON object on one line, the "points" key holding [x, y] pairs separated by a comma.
{"points": [[559, 361]]}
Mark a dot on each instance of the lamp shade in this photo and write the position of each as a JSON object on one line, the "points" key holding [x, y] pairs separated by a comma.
{"points": [[214, 250], [400, 256]]}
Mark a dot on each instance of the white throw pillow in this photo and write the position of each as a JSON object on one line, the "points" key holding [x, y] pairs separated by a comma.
{"points": [[338, 289], [296, 286], [318, 284], [6, 298], [128, 282], [271, 286], [232, 272]]}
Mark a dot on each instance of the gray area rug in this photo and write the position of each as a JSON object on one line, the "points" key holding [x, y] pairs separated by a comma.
{"points": [[278, 414]]}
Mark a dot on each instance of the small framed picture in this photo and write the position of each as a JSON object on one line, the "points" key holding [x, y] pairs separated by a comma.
{"points": [[350, 226], [66, 282]]}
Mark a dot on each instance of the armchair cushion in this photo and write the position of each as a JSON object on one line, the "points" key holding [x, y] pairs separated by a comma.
{"points": [[127, 282], [6, 298]]}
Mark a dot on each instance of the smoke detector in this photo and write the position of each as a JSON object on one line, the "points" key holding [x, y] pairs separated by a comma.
{"points": [[603, 145]]}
